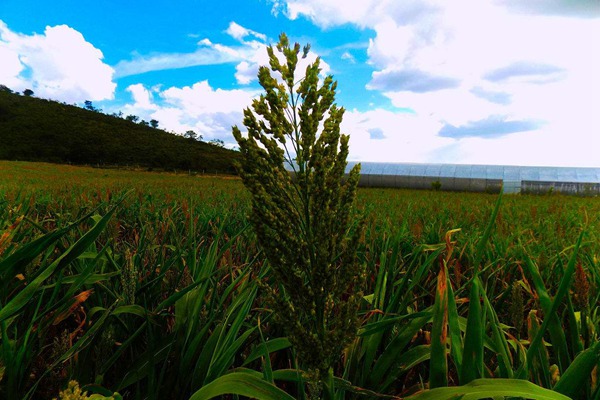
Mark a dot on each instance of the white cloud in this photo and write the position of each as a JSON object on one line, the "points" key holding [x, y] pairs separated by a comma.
{"points": [[201, 98], [59, 64], [238, 32], [406, 137], [245, 55], [199, 107], [247, 70], [543, 147], [10, 68], [248, 56], [363, 13], [142, 97], [399, 136], [349, 57], [461, 63], [208, 111], [206, 54]]}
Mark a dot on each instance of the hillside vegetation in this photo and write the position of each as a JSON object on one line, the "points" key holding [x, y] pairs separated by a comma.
{"points": [[33, 129]]}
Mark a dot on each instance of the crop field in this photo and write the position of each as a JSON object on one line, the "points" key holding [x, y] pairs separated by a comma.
{"points": [[149, 285]]}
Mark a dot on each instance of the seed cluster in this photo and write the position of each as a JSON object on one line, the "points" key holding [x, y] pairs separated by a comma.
{"points": [[304, 220]]}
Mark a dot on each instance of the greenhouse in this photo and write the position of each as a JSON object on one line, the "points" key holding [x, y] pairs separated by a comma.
{"points": [[481, 178]]}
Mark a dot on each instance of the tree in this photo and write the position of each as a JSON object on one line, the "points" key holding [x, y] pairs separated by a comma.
{"points": [[154, 123], [88, 105], [132, 118], [217, 142], [304, 223], [28, 92], [4, 88], [190, 134]]}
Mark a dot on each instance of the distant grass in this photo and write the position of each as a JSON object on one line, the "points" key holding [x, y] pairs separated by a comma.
{"points": [[160, 298]]}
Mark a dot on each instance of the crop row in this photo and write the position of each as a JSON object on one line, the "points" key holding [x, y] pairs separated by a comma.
{"points": [[148, 285]]}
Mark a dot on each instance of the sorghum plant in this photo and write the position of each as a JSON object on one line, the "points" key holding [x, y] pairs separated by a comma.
{"points": [[304, 221]]}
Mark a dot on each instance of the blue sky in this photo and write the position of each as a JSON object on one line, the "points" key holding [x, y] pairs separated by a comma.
{"points": [[490, 82]]}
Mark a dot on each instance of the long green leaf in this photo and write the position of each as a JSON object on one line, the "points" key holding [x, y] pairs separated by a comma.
{"points": [[472, 363], [479, 250], [574, 378], [563, 290], [266, 348], [490, 388], [456, 340], [500, 343], [26, 254], [243, 384], [557, 334], [438, 367], [25, 295], [396, 346]]}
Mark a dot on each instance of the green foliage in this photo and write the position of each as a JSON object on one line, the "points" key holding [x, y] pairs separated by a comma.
{"points": [[304, 223], [490, 388], [241, 384], [161, 300], [35, 129]]}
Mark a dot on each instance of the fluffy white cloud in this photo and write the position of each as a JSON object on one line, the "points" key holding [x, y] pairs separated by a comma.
{"points": [[142, 97], [11, 68], [58, 64], [247, 70], [382, 135], [238, 32], [201, 108], [520, 75], [201, 98], [207, 111], [363, 13]]}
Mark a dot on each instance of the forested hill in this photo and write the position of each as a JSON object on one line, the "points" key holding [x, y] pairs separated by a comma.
{"points": [[33, 129]]}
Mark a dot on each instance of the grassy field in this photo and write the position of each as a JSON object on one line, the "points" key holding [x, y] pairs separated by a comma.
{"points": [[145, 284]]}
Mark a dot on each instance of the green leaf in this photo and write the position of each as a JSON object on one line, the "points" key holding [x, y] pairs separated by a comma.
{"points": [[27, 293], [456, 340], [486, 234], [563, 290], [390, 354], [490, 388], [243, 384], [557, 334], [264, 349], [573, 380], [472, 364]]}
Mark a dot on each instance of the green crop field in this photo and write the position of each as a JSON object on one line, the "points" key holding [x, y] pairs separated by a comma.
{"points": [[147, 284]]}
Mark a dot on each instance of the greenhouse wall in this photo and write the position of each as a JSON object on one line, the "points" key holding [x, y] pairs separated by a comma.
{"points": [[480, 178], [429, 182], [585, 189]]}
